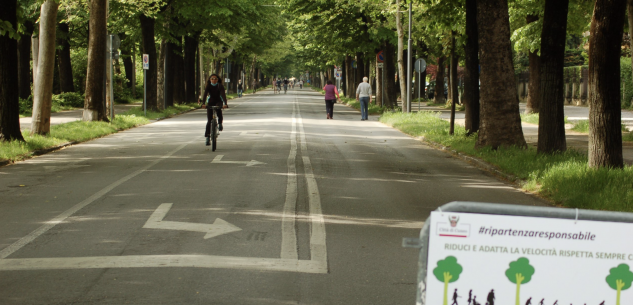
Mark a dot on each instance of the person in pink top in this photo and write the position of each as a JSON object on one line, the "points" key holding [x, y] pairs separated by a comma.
{"points": [[331, 95]]}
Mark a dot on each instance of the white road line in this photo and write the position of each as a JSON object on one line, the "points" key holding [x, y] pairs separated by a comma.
{"points": [[62, 217], [218, 227], [318, 249], [288, 228], [161, 261]]}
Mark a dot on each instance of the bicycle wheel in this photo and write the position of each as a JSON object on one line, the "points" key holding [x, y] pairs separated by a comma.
{"points": [[214, 135]]}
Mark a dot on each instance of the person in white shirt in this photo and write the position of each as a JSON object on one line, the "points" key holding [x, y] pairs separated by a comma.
{"points": [[363, 95]]}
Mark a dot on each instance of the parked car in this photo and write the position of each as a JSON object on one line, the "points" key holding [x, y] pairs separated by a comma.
{"points": [[430, 90]]}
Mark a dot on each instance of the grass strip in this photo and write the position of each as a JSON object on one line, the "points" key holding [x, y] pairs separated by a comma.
{"points": [[76, 131], [563, 178], [79, 131]]}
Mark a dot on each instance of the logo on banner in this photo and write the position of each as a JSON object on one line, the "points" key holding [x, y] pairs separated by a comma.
{"points": [[453, 228]]}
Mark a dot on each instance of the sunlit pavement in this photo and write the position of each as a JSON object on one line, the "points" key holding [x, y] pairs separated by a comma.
{"points": [[291, 209]]}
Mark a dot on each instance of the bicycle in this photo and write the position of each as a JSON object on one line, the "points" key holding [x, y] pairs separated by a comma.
{"points": [[215, 128]]}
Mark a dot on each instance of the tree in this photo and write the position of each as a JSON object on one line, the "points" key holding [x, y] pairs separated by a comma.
{"points": [[447, 271], [24, 61], [9, 100], [42, 97], [520, 272], [500, 119], [620, 278], [534, 93], [551, 135], [65, 65], [94, 105], [471, 75], [605, 135]]}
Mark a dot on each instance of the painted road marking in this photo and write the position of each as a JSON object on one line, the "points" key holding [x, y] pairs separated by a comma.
{"points": [[62, 217], [218, 159], [288, 226], [318, 251], [218, 227]]}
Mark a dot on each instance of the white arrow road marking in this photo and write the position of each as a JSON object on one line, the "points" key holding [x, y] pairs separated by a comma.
{"points": [[218, 159], [219, 227]]}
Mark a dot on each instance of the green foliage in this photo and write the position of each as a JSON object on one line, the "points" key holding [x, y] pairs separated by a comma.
{"points": [[620, 277], [69, 99], [520, 271], [447, 270]]}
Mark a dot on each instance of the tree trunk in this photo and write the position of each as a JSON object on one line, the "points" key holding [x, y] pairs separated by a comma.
{"points": [[24, 61], [128, 64], [179, 73], [629, 8], [439, 97], [149, 47], [360, 70], [9, 97], [35, 48], [453, 86], [605, 135], [401, 69], [348, 76], [203, 77], [160, 89], [41, 121], [534, 93], [253, 75], [169, 74], [94, 105], [500, 118], [379, 84], [191, 44], [551, 127], [65, 65], [471, 77], [391, 91]]}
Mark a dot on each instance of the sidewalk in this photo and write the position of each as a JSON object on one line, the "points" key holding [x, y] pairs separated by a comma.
{"points": [[576, 140]]}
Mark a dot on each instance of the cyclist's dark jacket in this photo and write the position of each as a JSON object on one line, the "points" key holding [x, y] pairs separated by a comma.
{"points": [[216, 94]]}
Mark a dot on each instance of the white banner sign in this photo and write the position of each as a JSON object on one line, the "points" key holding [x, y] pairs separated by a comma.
{"points": [[510, 260]]}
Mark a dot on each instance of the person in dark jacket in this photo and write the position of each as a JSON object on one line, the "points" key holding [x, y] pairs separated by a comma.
{"points": [[240, 88], [214, 95]]}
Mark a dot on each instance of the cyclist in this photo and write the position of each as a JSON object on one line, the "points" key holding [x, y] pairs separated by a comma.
{"points": [[285, 85], [214, 95]]}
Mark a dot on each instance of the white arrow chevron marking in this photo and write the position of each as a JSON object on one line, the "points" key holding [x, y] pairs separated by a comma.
{"points": [[218, 227], [218, 159]]}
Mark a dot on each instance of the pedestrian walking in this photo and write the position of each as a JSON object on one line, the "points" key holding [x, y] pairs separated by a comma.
{"points": [[331, 96], [240, 88], [214, 95], [363, 95], [455, 296]]}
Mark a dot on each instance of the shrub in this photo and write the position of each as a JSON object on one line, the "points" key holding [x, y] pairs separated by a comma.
{"points": [[69, 99]]}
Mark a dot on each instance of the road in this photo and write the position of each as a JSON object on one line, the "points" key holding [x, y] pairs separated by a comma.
{"points": [[291, 209]]}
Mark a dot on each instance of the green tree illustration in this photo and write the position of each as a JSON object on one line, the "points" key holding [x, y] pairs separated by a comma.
{"points": [[447, 271], [620, 278], [520, 272]]}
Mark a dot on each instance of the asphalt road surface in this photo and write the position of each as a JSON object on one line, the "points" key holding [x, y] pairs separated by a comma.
{"points": [[291, 209]]}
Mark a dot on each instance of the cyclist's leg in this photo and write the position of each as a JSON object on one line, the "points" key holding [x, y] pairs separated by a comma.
{"points": [[220, 118]]}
